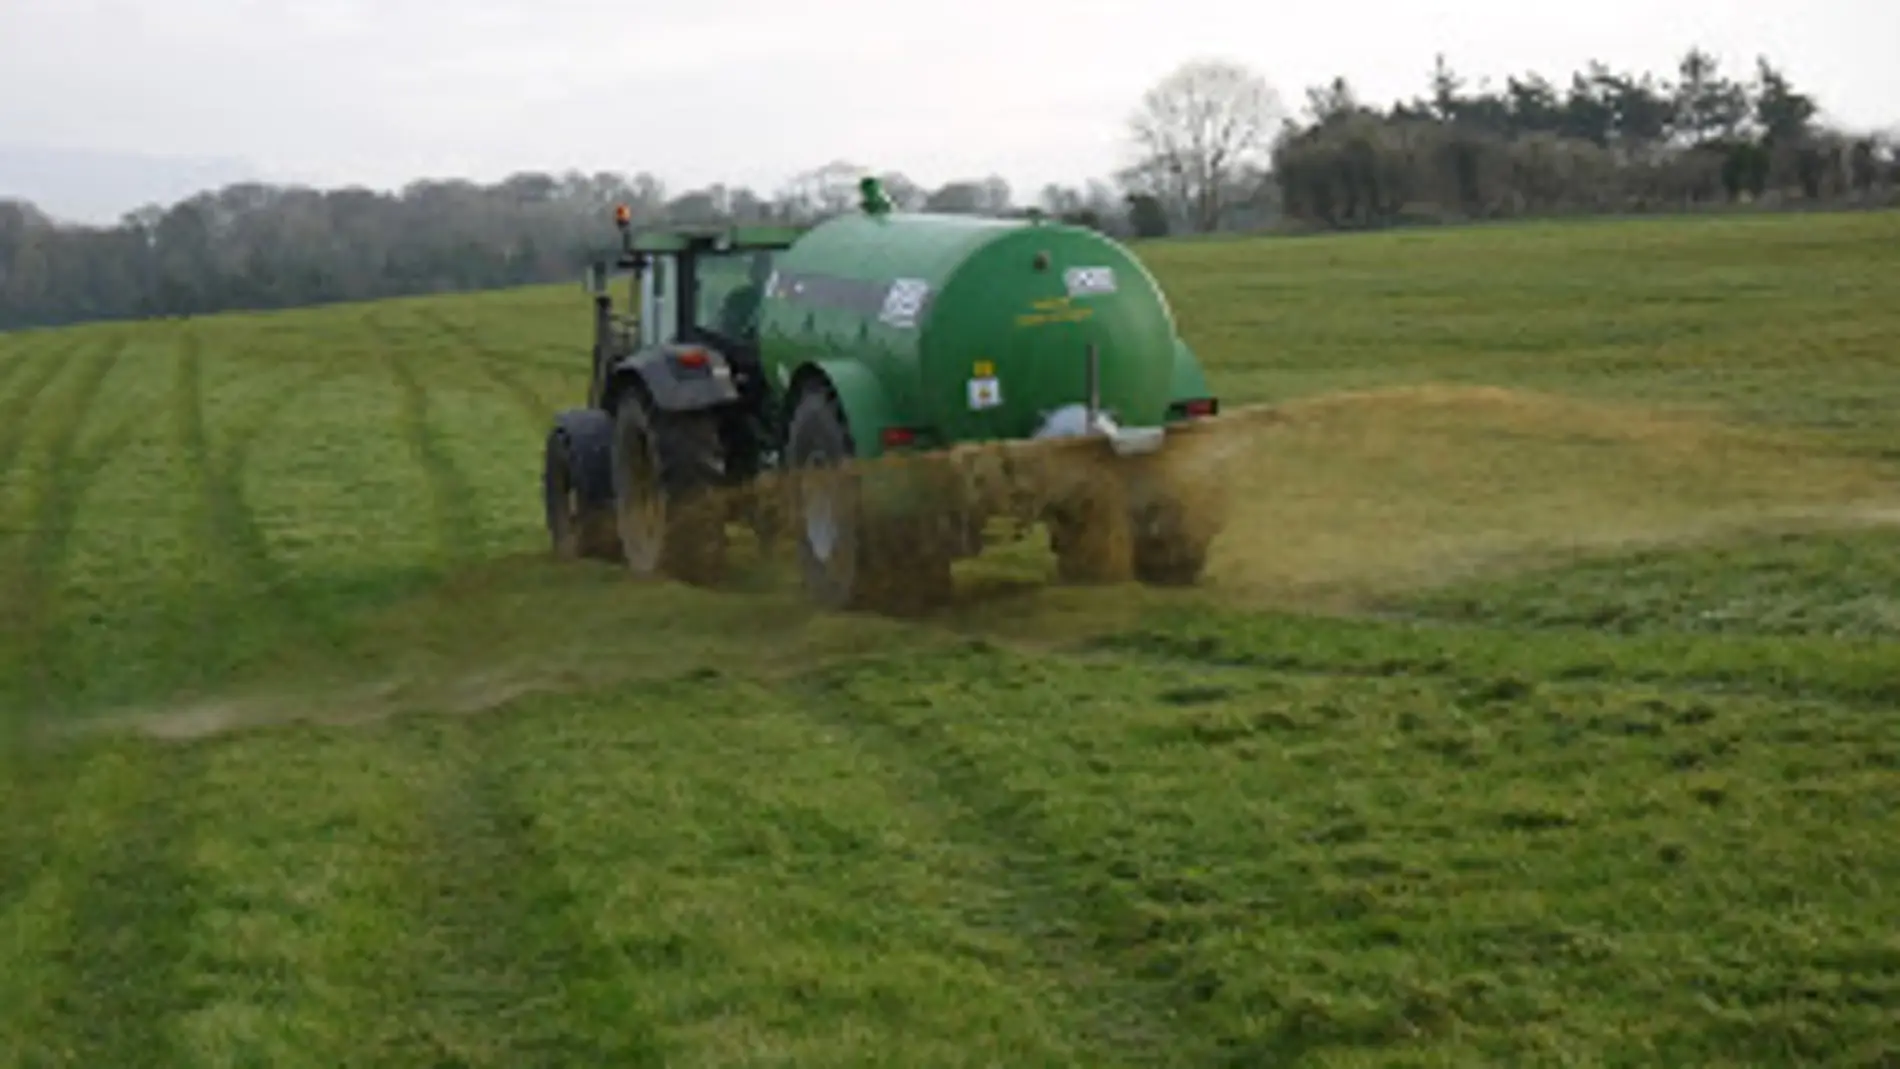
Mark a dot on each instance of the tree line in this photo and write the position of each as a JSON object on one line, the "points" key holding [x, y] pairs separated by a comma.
{"points": [[1213, 149], [262, 246], [1604, 142]]}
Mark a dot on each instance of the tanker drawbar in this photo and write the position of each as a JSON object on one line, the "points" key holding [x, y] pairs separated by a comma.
{"points": [[881, 386]]}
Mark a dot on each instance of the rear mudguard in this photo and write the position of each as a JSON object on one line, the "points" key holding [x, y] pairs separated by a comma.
{"points": [[889, 490], [867, 409], [675, 378]]}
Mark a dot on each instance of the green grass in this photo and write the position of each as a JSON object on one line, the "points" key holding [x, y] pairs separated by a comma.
{"points": [[1538, 709], [1828, 584]]}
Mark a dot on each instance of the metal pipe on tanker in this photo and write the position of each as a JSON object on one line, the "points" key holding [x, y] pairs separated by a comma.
{"points": [[1094, 386]]}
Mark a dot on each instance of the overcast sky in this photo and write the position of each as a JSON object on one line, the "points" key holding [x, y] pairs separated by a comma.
{"points": [[749, 91]]}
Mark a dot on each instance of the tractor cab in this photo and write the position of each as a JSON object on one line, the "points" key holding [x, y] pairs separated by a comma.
{"points": [[689, 286]]}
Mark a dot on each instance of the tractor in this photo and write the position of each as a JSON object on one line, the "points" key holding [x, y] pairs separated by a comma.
{"points": [[822, 358]]}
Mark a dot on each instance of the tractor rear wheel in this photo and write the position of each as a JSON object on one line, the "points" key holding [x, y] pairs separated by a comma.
{"points": [[577, 489], [846, 561], [667, 470]]}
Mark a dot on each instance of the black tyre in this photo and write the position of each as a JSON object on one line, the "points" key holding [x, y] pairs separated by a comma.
{"points": [[667, 472], [577, 487], [846, 563]]}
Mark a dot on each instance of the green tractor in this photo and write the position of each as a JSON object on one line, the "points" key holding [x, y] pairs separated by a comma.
{"points": [[802, 354]]}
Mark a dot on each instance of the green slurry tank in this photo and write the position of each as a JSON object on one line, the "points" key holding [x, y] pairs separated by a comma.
{"points": [[804, 352]]}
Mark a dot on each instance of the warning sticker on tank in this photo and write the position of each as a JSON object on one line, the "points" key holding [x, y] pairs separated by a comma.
{"points": [[985, 392], [1088, 281]]}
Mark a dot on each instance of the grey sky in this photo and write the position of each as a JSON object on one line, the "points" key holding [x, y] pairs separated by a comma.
{"points": [[381, 91]]}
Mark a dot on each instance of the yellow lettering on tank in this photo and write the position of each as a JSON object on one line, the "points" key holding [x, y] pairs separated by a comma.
{"points": [[1064, 315]]}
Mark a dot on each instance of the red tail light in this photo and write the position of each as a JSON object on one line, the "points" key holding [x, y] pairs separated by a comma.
{"points": [[1200, 407], [691, 358], [898, 437]]}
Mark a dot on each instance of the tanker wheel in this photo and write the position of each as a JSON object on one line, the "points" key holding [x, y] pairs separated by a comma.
{"points": [[1089, 534], [577, 489], [845, 562], [1170, 543], [667, 468]]}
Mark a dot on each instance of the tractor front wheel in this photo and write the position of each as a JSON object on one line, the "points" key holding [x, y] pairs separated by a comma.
{"points": [[667, 470], [577, 490]]}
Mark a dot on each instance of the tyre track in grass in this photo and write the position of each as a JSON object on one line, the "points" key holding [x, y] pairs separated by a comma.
{"points": [[502, 966], [451, 500], [225, 524], [64, 476], [496, 367], [130, 918], [24, 836], [17, 410], [301, 838], [34, 789], [1068, 925], [35, 372], [15, 361]]}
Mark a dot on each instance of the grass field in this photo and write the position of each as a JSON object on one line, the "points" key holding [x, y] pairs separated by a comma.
{"points": [[1539, 709]]}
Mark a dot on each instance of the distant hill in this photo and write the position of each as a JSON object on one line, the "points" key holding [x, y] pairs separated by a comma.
{"points": [[97, 186]]}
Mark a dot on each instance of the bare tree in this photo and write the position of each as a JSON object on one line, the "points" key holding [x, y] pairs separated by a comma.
{"points": [[970, 196], [822, 191], [1196, 131]]}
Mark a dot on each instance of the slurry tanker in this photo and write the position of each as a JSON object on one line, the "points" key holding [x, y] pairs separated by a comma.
{"points": [[835, 361]]}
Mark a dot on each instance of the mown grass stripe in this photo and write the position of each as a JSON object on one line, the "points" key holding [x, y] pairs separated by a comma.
{"points": [[131, 913], [188, 413], [1068, 922], [297, 836], [16, 413], [233, 529], [769, 910], [1863, 671], [33, 785], [247, 579], [93, 928], [14, 360], [496, 366], [457, 524], [501, 970], [67, 473], [32, 683]]}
